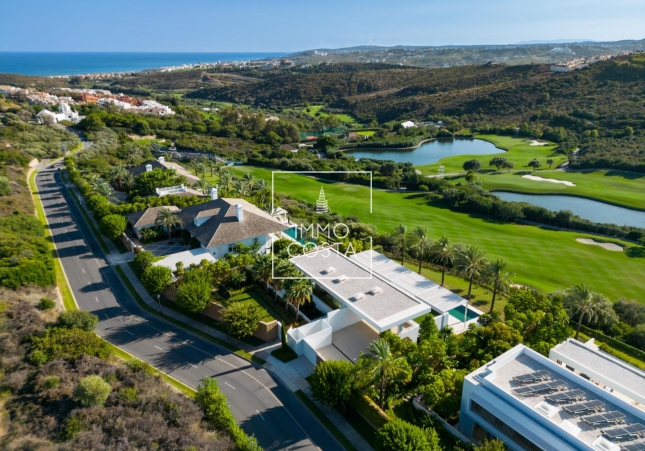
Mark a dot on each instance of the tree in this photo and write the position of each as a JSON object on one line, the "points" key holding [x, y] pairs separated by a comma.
{"points": [[399, 435], [443, 253], [112, 226], [79, 319], [496, 276], [143, 260], [498, 162], [92, 391], [492, 445], [388, 169], [118, 174], [241, 320], [326, 142], [422, 242], [194, 292], [168, 220], [631, 312], [263, 270], [298, 292], [535, 164], [583, 303], [401, 232], [508, 165], [156, 278], [471, 263], [382, 366], [147, 234], [203, 185], [104, 189], [550, 162], [281, 269], [237, 277], [332, 382], [472, 165], [92, 122]]}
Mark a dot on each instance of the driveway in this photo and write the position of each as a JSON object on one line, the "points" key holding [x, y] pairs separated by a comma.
{"points": [[163, 248]]}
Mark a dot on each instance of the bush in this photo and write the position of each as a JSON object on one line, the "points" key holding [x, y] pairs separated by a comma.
{"points": [[194, 291], [332, 382], [139, 366], [79, 319], [63, 343], [96, 200], [398, 435], [126, 395], [143, 260], [92, 391], [46, 304], [156, 278], [241, 320], [51, 382], [112, 226]]}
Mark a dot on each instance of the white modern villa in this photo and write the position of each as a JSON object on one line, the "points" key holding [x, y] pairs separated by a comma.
{"points": [[372, 294], [578, 399]]}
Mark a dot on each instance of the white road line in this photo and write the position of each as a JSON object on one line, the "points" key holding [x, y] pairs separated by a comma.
{"points": [[259, 414], [158, 348], [128, 332], [82, 269], [230, 385], [97, 299], [194, 366]]}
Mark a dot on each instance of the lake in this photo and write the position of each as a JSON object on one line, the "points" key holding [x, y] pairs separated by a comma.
{"points": [[585, 208], [431, 151]]}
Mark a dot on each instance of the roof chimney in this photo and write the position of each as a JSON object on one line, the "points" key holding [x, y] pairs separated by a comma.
{"points": [[239, 212], [162, 159], [148, 168], [213, 193]]}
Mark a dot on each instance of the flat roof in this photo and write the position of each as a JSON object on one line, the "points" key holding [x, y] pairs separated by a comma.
{"points": [[439, 298], [187, 257], [371, 296], [588, 359], [521, 361]]}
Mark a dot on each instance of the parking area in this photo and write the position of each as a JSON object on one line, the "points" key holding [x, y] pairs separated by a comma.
{"points": [[163, 248]]}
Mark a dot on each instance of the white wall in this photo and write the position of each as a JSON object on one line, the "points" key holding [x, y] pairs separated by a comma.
{"points": [[411, 332], [320, 305], [340, 319]]}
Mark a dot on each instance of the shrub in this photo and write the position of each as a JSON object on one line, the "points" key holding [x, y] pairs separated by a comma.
{"points": [[127, 395], [241, 320], [63, 343], [51, 382], [95, 201], [332, 382], [112, 226], [398, 435], [73, 426], [139, 366], [46, 304], [195, 290], [92, 391], [143, 260], [79, 319], [156, 278]]}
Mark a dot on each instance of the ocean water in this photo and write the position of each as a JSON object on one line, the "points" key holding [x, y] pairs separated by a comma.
{"points": [[74, 63]]}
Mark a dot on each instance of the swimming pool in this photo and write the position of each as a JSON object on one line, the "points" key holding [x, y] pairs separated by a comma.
{"points": [[459, 314]]}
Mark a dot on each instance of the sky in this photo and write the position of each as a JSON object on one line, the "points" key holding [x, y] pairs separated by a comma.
{"points": [[287, 26]]}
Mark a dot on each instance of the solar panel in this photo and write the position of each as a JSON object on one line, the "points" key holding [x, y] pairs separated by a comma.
{"points": [[566, 397], [638, 446], [613, 417], [530, 378], [544, 387], [629, 431], [582, 408]]}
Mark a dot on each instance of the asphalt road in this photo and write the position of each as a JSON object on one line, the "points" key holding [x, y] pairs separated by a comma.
{"points": [[260, 403]]}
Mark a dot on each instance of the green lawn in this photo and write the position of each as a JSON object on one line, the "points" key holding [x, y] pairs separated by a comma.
{"points": [[547, 259], [519, 151], [345, 119], [366, 133], [251, 297]]}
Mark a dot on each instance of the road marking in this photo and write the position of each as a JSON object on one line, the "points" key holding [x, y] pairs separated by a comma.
{"points": [[97, 299], [128, 332], [230, 385], [158, 348], [83, 270], [259, 414], [196, 367]]}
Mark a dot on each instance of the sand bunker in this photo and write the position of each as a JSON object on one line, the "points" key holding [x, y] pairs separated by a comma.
{"points": [[542, 179], [538, 143], [608, 246]]}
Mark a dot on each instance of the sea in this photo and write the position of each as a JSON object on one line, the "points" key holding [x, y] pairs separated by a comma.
{"points": [[77, 63]]}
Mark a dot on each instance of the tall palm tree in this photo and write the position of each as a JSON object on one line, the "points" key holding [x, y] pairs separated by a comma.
{"points": [[211, 164], [104, 189], [384, 365], [298, 292], [226, 181], [168, 219], [129, 180], [580, 301], [422, 242], [117, 174], [444, 253], [242, 188], [472, 263], [194, 165], [401, 232], [203, 185], [500, 279], [281, 269], [250, 180], [263, 270]]}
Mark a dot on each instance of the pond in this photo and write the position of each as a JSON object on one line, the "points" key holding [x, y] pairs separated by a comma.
{"points": [[585, 208], [429, 152]]}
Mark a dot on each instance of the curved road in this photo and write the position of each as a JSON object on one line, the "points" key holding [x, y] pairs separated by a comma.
{"points": [[260, 403]]}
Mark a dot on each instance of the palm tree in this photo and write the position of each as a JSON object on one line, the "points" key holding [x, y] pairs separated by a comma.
{"points": [[495, 275], [401, 232], [584, 303], [250, 180], [443, 253], [147, 234], [298, 292], [422, 242], [210, 164], [471, 263], [129, 180], [203, 185], [384, 365], [118, 174], [281, 270], [168, 219], [263, 270], [243, 188], [226, 181], [104, 189], [195, 166]]}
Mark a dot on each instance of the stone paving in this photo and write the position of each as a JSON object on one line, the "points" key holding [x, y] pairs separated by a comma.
{"points": [[163, 248]]}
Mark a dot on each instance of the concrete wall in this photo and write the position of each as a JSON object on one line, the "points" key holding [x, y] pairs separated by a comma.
{"points": [[339, 319], [267, 331], [316, 341], [411, 332]]}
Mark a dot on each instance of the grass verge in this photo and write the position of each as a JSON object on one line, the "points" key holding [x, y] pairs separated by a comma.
{"points": [[331, 427], [285, 354], [204, 335]]}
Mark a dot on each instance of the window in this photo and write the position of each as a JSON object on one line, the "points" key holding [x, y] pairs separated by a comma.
{"points": [[231, 247], [504, 428]]}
